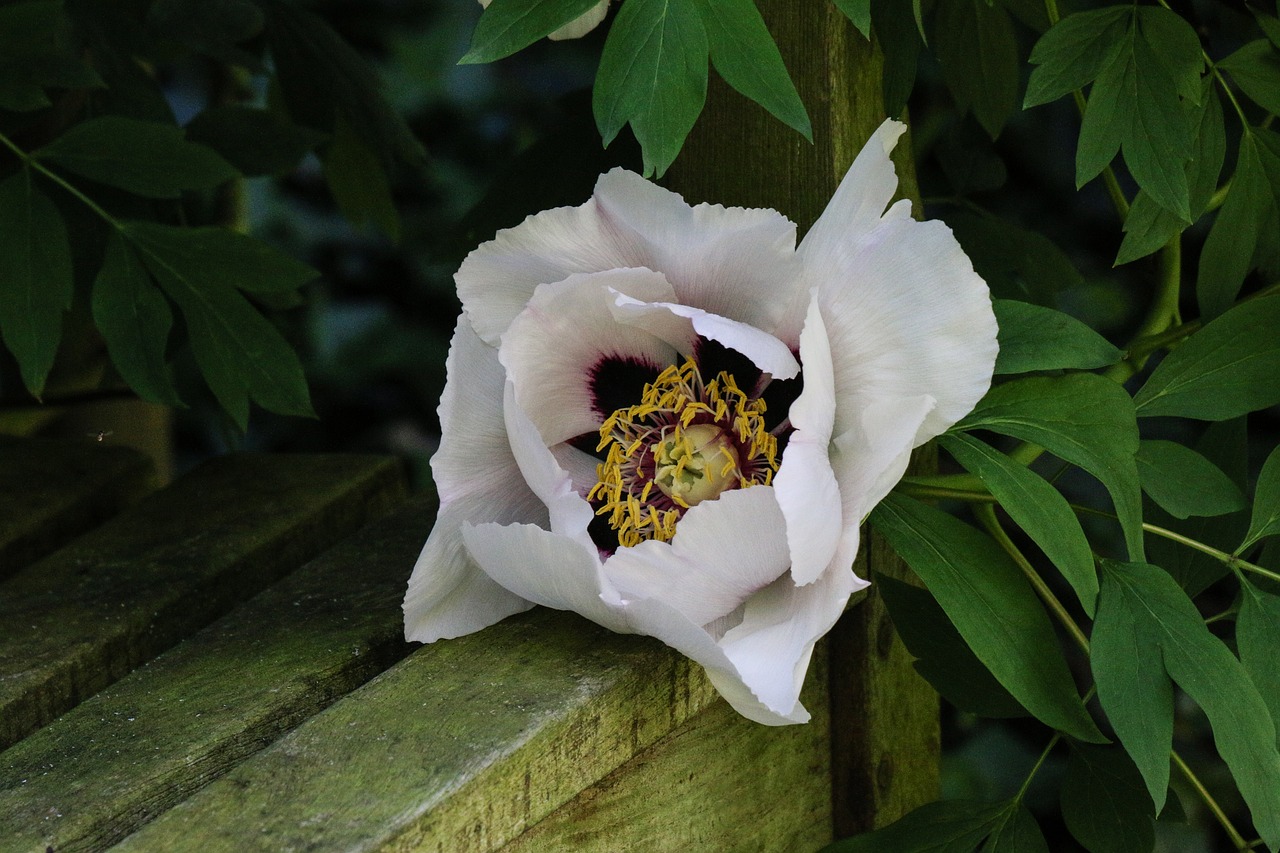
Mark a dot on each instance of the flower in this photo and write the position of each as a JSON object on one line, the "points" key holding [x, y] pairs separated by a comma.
{"points": [[672, 420], [579, 26]]}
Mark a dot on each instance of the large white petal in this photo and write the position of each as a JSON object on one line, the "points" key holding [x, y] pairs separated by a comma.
{"points": [[806, 485], [568, 329], [477, 479], [732, 261], [907, 317], [723, 551]]}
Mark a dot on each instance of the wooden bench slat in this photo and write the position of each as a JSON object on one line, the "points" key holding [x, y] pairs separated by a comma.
{"points": [[163, 731], [85, 615], [463, 746], [51, 491]]}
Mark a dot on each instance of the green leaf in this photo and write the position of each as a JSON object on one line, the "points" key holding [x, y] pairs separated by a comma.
{"points": [[1082, 418], [134, 319], [508, 26], [212, 27], [1134, 105], [1257, 638], [900, 40], [858, 11], [1149, 227], [745, 55], [1037, 507], [241, 355], [945, 826], [1270, 25], [942, 657], [1266, 503], [1231, 248], [1016, 263], [143, 157], [1256, 69], [39, 50], [653, 74], [1226, 369], [35, 277], [1147, 627], [1104, 803], [1037, 338], [975, 45], [257, 142], [1072, 53], [992, 606], [357, 182], [1016, 832], [1183, 482]]}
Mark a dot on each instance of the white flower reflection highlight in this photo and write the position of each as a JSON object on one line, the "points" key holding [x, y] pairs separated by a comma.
{"points": [[672, 420], [579, 26]]}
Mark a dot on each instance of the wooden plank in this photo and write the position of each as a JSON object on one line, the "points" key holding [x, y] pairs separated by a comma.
{"points": [[148, 741], [51, 491], [719, 782], [460, 747], [84, 616]]}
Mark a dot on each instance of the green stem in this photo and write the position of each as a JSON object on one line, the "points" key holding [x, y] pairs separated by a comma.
{"points": [[1203, 793], [1044, 755], [917, 490], [32, 163]]}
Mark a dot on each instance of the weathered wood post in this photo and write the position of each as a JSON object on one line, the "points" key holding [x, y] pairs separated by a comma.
{"points": [[884, 716]]}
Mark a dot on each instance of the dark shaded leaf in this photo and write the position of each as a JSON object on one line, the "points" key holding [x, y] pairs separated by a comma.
{"points": [[896, 31], [1015, 262], [1256, 69], [134, 319], [992, 606], [653, 75], [37, 51], [256, 142], [858, 11], [35, 277], [212, 27], [1226, 369], [142, 157], [1183, 482], [1104, 803], [1266, 503], [358, 184], [1082, 418], [1016, 832], [975, 45], [945, 826], [942, 657], [508, 26], [1036, 338]]}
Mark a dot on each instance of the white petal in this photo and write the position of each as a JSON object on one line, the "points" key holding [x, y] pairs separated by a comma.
{"points": [[547, 569], [723, 551], [907, 317], [585, 23], [678, 324], [735, 262], [806, 485], [566, 330], [871, 457], [477, 479]]}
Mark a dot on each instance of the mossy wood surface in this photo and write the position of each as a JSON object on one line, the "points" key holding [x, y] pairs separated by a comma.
{"points": [[51, 491], [85, 615]]}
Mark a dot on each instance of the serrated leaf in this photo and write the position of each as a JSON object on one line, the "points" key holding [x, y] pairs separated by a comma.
{"points": [[1016, 263], [945, 826], [1256, 70], [134, 319], [358, 183], [508, 26], [1183, 482], [1016, 832], [256, 142], [1034, 338], [143, 157], [745, 55], [992, 606], [35, 277], [1147, 632], [1226, 369], [858, 11], [653, 75], [942, 657], [1072, 53], [1257, 638], [1082, 418], [1037, 507], [975, 45], [1230, 249], [1265, 520], [1104, 802], [241, 355]]}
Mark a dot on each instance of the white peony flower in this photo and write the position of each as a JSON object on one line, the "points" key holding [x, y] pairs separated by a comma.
{"points": [[672, 420], [579, 26]]}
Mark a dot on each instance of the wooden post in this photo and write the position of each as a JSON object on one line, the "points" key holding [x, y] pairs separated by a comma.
{"points": [[885, 737]]}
